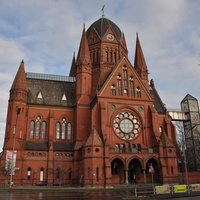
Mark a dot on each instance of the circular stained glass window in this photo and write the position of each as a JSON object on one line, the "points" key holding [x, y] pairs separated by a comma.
{"points": [[126, 125]]}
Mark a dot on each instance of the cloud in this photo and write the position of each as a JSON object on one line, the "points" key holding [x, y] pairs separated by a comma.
{"points": [[46, 33]]}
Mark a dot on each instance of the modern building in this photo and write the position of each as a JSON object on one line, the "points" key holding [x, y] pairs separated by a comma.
{"points": [[102, 125]]}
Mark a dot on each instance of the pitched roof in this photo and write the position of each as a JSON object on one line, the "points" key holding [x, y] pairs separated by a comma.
{"points": [[139, 63], [84, 53], [33, 145], [94, 139], [20, 79], [51, 92]]}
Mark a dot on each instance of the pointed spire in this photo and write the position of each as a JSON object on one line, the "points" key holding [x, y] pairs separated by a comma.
{"points": [[139, 64], [83, 54], [20, 79], [73, 67]]}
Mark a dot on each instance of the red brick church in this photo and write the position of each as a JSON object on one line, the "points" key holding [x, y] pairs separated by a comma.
{"points": [[102, 125]]}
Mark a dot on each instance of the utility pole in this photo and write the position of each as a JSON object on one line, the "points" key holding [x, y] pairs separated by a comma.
{"points": [[12, 167]]}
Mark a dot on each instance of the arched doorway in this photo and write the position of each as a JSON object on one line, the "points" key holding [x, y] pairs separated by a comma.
{"points": [[117, 171], [152, 167], [135, 171]]}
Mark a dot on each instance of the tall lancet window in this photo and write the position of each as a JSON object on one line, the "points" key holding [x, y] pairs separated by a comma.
{"points": [[119, 85], [131, 82]]}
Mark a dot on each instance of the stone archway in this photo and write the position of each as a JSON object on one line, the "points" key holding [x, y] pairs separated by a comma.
{"points": [[135, 174], [117, 171], [152, 164]]}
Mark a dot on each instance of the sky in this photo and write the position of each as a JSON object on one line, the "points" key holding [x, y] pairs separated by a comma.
{"points": [[45, 34]]}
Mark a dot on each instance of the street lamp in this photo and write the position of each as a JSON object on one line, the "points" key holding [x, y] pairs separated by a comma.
{"points": [[13, 147]]}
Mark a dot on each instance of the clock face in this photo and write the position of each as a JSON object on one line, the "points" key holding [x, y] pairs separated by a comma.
{"points": [[110, 37], [126, 125]]}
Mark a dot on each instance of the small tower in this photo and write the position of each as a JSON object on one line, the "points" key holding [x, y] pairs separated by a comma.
{"points": [[189, 105], [140, 63], [83, 89]]}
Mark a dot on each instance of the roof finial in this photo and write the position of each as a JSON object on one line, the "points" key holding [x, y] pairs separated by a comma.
{"points": [[103, 10]]}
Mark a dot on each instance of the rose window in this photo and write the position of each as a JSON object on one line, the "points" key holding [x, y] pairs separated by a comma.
{"points": [[126, 125]]}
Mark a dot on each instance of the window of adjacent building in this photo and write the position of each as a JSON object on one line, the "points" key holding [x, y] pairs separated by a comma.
{"points": [[42, 174], [29, 174]]}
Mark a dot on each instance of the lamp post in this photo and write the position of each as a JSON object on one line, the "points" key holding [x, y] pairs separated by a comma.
{"points": [[185, 160], [13, 147]]}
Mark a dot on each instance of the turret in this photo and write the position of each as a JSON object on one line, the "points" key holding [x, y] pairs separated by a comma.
{"points": [[140, 63], [83, 71], [15, 125]]}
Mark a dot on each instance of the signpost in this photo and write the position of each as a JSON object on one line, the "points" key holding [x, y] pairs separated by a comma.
{"points": [[152, 171]]}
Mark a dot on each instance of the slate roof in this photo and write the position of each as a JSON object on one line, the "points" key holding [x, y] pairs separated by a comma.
{"points": [[63, 146], [158, 104], [51, 92], [32, 145], [102, 25]]}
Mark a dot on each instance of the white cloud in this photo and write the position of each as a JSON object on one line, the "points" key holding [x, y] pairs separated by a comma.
{"points": [[46, 33]]}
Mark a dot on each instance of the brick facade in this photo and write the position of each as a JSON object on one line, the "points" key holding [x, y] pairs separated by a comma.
{"points": [[103, 125]]}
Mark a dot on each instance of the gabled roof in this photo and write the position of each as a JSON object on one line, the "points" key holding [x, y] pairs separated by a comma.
{"points": [[188, 97], [114, 71], [94, 139]]}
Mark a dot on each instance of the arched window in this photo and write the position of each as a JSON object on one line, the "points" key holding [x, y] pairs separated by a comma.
{"points": [[114, 168], [57, 174], [42, 174], [63, 130], [57, 130], [131, 86], [115, 57], [43, 130], [119, 85], [29, 174], [161, 129], [138, 92], [69, 131], [88, 171], [32, 125], [111, 58], [37, 130], [97, 174], [70, 173], [113, 90]]}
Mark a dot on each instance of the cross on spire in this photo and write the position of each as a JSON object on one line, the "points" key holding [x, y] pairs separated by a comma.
{"points": [[103, 10]]}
